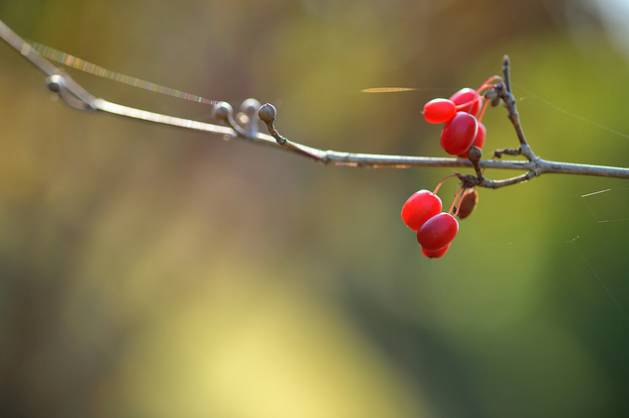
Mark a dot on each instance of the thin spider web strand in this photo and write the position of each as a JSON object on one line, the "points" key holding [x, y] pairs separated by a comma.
{"points": [[586, 197], [608, 292], [591, 211], [596, 193], [533, 96], [395, 89], [608, 221], [624, 314], [82, 65]]}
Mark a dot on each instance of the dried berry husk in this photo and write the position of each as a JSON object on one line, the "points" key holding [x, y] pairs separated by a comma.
{"points": [[468, 203]]}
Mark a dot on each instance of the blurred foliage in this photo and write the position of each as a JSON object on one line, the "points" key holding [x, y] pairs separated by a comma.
{"points": [[150, 272]]}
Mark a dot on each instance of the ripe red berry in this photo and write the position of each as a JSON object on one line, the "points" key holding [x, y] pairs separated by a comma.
{"points": [[469, 96], [438, 253], [438, 231], [458, 135], [420, 207], [479, 141], [439, 111]]}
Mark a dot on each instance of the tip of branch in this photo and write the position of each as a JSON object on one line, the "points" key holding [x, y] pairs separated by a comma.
{"points": [[506, 72], [267, 113], [506, 66]]}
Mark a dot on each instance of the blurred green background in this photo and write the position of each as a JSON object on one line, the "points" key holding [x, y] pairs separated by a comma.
{"points": [[152, 272]]}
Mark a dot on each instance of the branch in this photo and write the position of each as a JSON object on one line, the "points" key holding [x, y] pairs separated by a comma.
{"points": [[77, 97], [331, 157], [505, 93]]}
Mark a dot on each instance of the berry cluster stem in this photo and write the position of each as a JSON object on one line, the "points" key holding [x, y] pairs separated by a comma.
{"points": [[455, 202]]}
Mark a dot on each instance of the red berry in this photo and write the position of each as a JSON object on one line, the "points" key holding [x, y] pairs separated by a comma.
{"points": [[469, 96], [458, 135], [420, 207], [438, 231], [438, 253], [479, 141], [439, 110]]}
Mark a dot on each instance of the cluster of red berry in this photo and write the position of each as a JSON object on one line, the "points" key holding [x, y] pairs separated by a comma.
{"points": [[462, 116], [423, 213]]}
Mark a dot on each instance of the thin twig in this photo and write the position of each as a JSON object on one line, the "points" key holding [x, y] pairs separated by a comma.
{"points": [[77, 97], [510, 102], [337, 158], [507, 151], [505, 94]]}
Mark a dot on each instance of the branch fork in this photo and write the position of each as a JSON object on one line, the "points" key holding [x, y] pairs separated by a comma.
{"points": [[502, 92]]}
